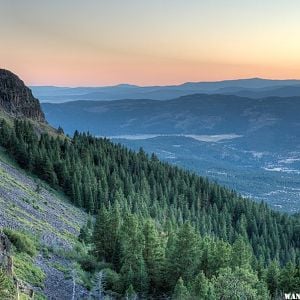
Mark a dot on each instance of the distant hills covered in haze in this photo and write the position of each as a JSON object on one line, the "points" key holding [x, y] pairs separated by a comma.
{"points": [[253, 88], [249, 144], [259, 122]]}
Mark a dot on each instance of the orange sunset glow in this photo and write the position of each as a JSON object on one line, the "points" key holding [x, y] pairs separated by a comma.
{"points": [[91, 43]]}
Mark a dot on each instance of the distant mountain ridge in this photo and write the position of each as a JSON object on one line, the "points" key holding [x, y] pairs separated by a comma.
{"points": [[278, 91], [127, 91]]}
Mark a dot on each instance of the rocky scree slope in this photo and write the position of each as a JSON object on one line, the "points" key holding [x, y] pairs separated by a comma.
{"points": [[29, 205]]}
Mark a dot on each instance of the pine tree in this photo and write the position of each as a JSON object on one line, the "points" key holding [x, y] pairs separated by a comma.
{"points": [[60, 130], [242, 254], [236, 285], [130, 294], [180, 291], [289, 279], [272, 278], [153, 255], [185, 257], [132, 254], [201, 287], [100, 237]]}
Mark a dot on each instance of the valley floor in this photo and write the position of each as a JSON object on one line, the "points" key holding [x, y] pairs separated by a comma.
{"points": [[272, 177]]}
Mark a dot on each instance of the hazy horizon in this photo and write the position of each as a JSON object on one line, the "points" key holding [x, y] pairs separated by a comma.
{"points": [[164, 85], [100, 43]]}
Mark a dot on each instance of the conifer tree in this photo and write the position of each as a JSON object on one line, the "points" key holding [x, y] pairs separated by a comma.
{"points": [[185, 256], [201, 287], [180, 291], [153, 255], [272, 278], [241, 254], [130, 294]]}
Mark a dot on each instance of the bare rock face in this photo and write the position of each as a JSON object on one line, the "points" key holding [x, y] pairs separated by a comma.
{"points": [[16, 98], [5, 258]]}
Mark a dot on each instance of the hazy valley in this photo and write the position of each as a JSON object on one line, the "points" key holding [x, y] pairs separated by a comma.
{"points": [[251, 145]]}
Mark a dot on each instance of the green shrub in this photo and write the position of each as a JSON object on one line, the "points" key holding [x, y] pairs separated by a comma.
{"points": [[45, 252], [26, 270], [7, 289], [112, 280], [84, 278], [22, 242], [36, 207], [60, 268]]}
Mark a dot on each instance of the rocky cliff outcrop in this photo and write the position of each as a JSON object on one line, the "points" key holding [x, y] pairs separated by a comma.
{"points": [[5, 258], [16, 98]]}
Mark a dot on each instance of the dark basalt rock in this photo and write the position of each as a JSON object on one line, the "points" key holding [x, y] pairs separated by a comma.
{"points": [[16, 98], [5, 257]]}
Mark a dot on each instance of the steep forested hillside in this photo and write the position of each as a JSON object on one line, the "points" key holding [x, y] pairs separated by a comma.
{"points": [[162, 230]]}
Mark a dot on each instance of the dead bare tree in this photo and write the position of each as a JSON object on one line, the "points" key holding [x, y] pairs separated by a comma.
{"points": [[99, 285], [74, 278]]}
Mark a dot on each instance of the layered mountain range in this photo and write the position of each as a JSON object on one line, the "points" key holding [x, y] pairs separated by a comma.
{"points": [[252, 88]]}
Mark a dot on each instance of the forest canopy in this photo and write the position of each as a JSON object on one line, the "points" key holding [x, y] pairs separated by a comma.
{"points": [[163, 230]]}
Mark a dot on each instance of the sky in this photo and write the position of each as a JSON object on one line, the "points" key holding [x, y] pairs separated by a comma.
{"points": [[157, 42]]}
